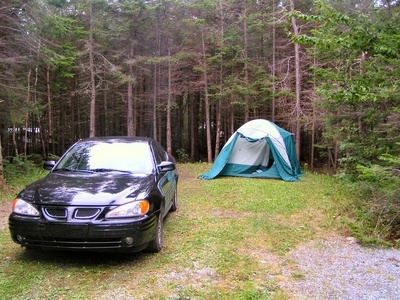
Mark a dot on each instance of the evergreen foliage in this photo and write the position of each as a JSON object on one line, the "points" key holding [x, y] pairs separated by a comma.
{"points": [[359, 77], [189, 73]]}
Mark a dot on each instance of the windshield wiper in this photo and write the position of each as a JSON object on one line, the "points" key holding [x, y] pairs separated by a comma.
{"points": [[62, 169], [72, 170], [109, 170]]}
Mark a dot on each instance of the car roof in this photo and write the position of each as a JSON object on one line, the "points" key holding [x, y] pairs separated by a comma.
{"points": [[118, 139]]}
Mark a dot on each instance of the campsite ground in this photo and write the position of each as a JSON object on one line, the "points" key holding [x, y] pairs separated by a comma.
{"points": [[231, 238]]}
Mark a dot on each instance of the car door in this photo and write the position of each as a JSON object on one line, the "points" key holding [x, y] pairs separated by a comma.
{"points": [[168, 179]]}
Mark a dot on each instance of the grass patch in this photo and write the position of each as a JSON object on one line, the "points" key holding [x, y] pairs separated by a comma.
{"points": [[227, 240]]}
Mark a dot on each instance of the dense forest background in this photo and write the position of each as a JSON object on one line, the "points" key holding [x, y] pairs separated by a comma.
{"points": [[190, 72]]}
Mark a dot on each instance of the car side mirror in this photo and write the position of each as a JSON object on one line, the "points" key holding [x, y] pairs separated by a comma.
{"points": [[166, 166], [49, 164]]}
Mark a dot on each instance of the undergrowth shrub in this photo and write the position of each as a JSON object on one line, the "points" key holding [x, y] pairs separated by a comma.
{"points": [[17, 169], [378, 210]]}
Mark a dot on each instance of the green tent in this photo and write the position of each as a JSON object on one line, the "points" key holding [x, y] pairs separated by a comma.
{"points": [[259, 149]]}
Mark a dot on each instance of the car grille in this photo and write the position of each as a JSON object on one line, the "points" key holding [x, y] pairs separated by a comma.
{"points": [[63, 213], [57, 213], [79, 244], [86, 213]]}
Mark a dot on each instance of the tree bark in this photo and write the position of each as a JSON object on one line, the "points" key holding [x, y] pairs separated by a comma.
{"points": [[221, 81], [246, 67], [92, 114], [39, 119], [273, 109], [2, 181], [169, 103], [50, 108], [192, 126], [206, 99], [28, 97], [298, 82], [129, 118], [14, 140]]}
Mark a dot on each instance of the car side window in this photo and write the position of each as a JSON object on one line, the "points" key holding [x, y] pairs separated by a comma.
{"points": [[75, 159], [158, 153]]}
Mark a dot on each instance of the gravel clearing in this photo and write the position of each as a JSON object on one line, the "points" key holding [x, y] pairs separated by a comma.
{"points": [[334, 268], [339, 268]]}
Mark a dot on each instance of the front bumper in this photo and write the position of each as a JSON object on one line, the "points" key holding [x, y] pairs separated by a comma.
{"points": [[121, 236]]}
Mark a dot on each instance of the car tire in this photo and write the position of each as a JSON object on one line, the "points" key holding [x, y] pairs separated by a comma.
{"points": [[174, 205], [155, 245]]}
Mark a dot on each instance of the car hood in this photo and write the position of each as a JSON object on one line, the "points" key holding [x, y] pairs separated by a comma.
{"points": [[88, 189]]}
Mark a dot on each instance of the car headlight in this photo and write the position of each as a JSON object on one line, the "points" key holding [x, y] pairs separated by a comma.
{"points": [[22, 207], [133, 209]]}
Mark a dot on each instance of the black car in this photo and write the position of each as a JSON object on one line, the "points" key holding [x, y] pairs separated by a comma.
{"points": [[104, 194]]}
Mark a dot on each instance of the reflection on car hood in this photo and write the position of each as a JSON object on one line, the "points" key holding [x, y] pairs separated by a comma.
{"points": [[88, 189]]}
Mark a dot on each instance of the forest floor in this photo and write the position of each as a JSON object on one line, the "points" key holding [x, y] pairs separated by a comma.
{"points": [[5, 210], [222, 243]]}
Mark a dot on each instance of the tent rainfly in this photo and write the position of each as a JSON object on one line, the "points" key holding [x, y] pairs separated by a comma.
{"points": [[260, 149]]}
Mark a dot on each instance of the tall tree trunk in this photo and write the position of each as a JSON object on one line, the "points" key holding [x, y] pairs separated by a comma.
{"points": [[314, 121], [312, 146], [92, 116], [206, 100], [2, 181], [105, 109], [298, 82], [169, 103], [28, 97], [129, 118], [232, 119], [246, 65], [155, 77], [273, 108], [221, 80], [50, 107], [14, 140], [192, 125], [72, 105], [217, 128], [39, 119], [155, 102]]}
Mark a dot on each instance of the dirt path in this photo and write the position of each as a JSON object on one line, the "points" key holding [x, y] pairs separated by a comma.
{"points": [[329, 267], [5, 209], [339, 268]]}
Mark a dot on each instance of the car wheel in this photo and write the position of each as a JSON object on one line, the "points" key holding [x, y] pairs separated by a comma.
{"points": [[156, 244], [174, 205]]}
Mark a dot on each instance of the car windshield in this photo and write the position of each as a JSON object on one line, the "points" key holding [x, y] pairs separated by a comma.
{"points": [[108, 157]]}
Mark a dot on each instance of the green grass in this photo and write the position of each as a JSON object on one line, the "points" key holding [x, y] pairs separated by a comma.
{"points": [[227, 240]]}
